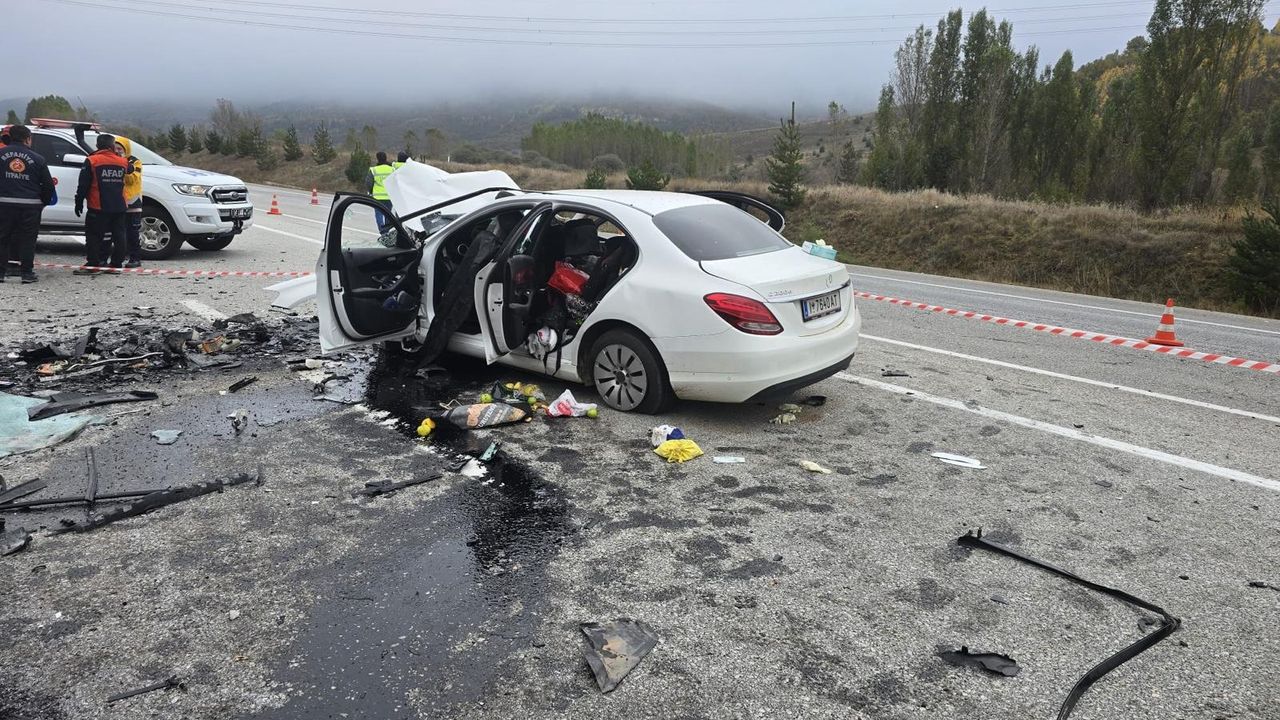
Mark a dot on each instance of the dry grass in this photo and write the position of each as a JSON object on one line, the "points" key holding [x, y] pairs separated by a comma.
{"points": [[1092, 249]]}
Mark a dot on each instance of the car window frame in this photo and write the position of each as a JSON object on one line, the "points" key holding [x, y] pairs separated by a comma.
{"points": [[52, 158]]}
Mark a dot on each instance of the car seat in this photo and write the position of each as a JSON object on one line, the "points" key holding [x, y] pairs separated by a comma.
{"points": [[620, 255]]}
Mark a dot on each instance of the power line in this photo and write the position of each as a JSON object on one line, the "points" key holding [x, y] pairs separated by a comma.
{"points": [[659, 21], [618, 33]]}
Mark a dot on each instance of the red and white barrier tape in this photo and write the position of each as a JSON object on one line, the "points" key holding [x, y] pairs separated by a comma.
{"points": [[190, 273], [1082, 334]]}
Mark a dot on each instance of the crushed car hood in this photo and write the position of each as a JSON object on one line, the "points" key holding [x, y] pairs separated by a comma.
{"points": [[416, 185]]}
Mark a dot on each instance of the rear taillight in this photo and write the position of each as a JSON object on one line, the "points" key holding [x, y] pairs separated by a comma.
{"points": [[749, 316]]}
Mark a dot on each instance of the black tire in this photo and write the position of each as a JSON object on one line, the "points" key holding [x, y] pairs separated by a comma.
{"points": [[210, 243], [160, 237], [644, 389]]}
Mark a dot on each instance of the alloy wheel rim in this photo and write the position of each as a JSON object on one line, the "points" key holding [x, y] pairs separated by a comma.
{"points": [[620, 377], [154, 234]]}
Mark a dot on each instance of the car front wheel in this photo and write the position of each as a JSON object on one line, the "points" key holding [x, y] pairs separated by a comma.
{"points": [[627, 373], [159, 237]]}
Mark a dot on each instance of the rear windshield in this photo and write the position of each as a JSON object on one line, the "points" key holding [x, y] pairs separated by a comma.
{"points": [[717, 232]]}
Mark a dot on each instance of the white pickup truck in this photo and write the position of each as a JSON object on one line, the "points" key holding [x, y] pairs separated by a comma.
{"points": [[179, 204]]}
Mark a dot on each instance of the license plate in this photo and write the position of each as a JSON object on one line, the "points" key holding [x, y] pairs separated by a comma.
{"points": [[817, 307], [239, 213]]}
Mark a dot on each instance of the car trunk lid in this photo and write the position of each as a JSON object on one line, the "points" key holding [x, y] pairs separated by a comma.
{"points": [[786, 279]]}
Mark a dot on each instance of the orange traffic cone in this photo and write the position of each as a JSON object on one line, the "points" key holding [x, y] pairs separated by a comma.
{"points": [[315, 198], [1164, 334], [275, 206]]}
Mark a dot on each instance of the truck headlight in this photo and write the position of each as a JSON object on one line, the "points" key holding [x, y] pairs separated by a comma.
{"points": [[200, 190]]}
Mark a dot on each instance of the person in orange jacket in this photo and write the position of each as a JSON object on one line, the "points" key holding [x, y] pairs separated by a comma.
{"points": [[132, 199], [102, 187]]}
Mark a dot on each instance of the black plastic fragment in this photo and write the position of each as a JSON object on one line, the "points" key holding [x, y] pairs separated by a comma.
{"points": [[382, 487], [91, 485], [1168, 623], [161, 498], [990, 662], [167, 684], [242, 384], [1263, 585], [814, 401], [22, 490], [616, 648], [12, 541], [77, 500], [72, 401]]}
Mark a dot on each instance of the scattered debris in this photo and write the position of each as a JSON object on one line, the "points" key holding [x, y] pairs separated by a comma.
{"points": [[990, 662], [678, 451], [65, 402], [814, 401], [91, 483], [1168, 624], [15, 540], [239, 420], [166, 437], [1103, 483], [20, 435], [890, 372], [426, 427], [23, 490], [960, 460], [472, 468], [383, 487], [616, 648], [785, 418], [814, 467], [167, 684], [663, 433], [161, 498], [242, 384], [790, 408], [1000, 599], [76, 500], [728, 459], [489, 452], [481, 415], [567, 406], [1263, 585]]}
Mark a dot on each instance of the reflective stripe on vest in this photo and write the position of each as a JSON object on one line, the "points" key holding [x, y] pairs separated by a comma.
{"points": [[380, 173]]}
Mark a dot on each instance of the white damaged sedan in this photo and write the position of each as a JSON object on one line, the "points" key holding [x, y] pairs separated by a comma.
{"points": [[647, 296]]}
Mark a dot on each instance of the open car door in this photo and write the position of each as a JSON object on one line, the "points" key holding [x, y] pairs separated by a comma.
{"points": [[505, 288], [368, 276], [750, 204]]}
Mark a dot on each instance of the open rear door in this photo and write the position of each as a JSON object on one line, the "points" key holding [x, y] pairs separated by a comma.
{"points": [[505, 288], [369, 281]]}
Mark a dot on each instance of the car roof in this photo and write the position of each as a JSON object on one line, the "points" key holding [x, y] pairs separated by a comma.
{"points": [[650, 202]]}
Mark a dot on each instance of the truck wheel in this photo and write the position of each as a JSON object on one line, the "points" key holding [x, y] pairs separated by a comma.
{"points": [[211, 242], [160, 239]]}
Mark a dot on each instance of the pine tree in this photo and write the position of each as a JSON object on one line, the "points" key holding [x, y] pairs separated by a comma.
{"points": [[595, 180], [833, 112], [249, 142], [267, 158], [369, 137], [410, 139], [159, 142], [646, 176], [177, 138], [358, 167], [194, 143], [847, 170], [1254, 267], [213, 141], [884, 165], [322, 151], [784, 168], [292, 150], [1241, 178], [12, 118]]}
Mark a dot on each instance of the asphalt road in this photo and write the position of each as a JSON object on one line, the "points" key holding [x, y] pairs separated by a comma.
{"points": [[775, 592]]}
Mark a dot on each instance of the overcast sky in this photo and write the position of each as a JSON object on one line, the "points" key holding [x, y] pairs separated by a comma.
{"points": [[418, 51]]}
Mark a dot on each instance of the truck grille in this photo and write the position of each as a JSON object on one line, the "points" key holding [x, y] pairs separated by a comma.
{"points": [[227, 195]]}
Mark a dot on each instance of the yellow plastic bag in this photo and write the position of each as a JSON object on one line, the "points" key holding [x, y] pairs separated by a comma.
{"points": [[678, 450]]}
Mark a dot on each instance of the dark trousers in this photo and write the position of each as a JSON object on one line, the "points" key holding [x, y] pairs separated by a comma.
{"points": [[97, 225], [133, 230], [19, 225], [383, 219]]}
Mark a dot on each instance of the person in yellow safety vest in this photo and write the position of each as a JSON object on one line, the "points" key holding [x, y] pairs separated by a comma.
{"points": [[376, 182], [401, 159]]}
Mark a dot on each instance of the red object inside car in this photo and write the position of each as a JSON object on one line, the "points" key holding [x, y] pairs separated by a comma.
{"points": [[568, 279]]}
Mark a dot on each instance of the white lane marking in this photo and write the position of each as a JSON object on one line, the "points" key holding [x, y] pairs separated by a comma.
{"points": [[282, 191], [1061, 302], [1071, 433], [325, 222], [259, 226], [1074, 378], [204, 311]]}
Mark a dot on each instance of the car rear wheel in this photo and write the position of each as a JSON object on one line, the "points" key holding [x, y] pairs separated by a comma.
{"points": [[159, 237], [628, 374], [212, 242]]}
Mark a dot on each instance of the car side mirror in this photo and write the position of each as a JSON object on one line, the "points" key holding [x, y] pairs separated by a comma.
{"points": [[73, 159]]}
